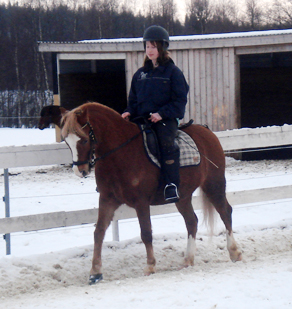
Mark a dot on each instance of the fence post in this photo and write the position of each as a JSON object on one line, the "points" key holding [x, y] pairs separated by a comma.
{"points": [[115, 230], [6, 199]]}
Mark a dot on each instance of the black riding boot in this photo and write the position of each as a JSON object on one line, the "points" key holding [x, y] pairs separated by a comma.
{"points": [[170, 170]]}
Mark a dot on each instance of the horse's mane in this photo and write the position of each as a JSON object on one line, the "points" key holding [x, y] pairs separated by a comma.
{"points": [[70, 124]]}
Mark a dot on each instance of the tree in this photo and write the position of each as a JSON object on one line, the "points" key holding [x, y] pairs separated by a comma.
{"points": [[168, 12], [253, 13], [163, 13], [200, 12], [281, 13], [224, 17]]}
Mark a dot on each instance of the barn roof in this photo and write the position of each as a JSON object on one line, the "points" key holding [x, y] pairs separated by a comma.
{"points": [[217, 36], [234, 39]]}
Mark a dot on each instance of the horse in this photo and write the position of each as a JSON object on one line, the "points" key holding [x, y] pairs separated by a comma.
{"points": [[99, 137], [50, 114]]}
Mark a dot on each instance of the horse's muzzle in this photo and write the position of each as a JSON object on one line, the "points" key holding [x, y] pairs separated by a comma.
{"points": [[81, 170]]}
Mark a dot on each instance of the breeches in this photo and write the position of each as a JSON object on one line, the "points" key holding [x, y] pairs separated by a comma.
{"points": [[166, 131]]}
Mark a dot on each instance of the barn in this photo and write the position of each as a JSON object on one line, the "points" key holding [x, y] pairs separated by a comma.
{"points": [[236, 79]]}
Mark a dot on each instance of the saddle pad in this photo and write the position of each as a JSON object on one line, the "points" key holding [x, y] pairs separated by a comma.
{"points": [[189, 153]]}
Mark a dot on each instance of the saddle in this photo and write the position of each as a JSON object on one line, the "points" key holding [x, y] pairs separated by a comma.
{"points": [[189, 153]]}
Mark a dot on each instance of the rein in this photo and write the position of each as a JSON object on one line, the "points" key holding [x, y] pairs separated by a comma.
{"points": [[93, 142], [93, 159]]}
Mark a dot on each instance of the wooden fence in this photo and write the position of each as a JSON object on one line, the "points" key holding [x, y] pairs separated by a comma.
{"points": [[58, 153]]}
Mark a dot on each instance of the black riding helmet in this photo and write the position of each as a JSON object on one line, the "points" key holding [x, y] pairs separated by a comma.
{"points": [[156, 33]]}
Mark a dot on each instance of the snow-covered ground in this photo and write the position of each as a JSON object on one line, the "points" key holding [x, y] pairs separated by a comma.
{"points": [[49, 269]]}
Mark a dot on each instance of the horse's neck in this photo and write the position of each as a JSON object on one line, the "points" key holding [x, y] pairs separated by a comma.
{"points": [[116, 132], [123, 141]]}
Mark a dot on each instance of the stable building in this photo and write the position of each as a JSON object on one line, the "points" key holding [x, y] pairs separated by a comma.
{"points": [[236, 79]]}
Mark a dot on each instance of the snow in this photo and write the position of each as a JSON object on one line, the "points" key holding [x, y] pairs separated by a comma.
{"points": [[50, 268], [198, 37]]}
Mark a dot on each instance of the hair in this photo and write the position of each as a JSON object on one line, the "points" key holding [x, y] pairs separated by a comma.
{"points": [[163, 54], [70, 124]]}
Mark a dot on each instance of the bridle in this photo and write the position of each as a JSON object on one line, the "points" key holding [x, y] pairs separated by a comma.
{"points": [[93, 141], [91, 161]]}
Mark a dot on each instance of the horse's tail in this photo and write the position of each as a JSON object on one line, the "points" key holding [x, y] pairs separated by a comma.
{"points": [[208, 212]]}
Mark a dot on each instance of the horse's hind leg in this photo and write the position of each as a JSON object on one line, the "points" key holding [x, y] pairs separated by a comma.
{"points": [[215, 192], [143, 214], [186, 209]]}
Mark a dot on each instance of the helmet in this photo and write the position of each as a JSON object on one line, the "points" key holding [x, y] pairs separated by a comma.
{"points": [[156, 33]]}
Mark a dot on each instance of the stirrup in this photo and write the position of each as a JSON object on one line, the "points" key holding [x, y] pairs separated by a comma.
{"points": [[170, 193]]}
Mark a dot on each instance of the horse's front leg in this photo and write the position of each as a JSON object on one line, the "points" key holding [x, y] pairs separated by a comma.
{"points": [[143, 213], [106, 211]]}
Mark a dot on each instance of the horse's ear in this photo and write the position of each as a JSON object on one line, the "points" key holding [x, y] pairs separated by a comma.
{"points": [[78, 112]]}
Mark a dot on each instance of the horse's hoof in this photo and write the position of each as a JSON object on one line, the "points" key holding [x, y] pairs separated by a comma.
{"points": [[93, 279], [188, 262], [236, 256], [149, 270]]}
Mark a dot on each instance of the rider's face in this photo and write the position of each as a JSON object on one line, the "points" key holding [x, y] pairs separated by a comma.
{"points": [[151, 51]]}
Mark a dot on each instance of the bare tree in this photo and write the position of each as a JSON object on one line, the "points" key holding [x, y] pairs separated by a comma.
{"points": [[15, 34], [281, 13], [225, 10], [254, 14], [164, 14], [200, 12], [107, 10], [40, 63]]}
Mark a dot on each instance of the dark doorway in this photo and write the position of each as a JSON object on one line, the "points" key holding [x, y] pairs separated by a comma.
{"points": [[102, 81], [266, 95]]}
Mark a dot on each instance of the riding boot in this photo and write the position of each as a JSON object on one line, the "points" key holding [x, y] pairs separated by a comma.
{"points": [[170, 170]]}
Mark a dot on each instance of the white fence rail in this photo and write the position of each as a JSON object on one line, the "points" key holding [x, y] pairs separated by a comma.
{"points": [[71, 218], [58, 153], [256, 138]]}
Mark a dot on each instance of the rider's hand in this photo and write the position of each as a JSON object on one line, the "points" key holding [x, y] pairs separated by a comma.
{"points": [[155, 117], [126, 115]]}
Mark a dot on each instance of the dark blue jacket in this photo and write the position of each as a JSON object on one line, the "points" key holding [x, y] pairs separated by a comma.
{"points": [[162, 89]]}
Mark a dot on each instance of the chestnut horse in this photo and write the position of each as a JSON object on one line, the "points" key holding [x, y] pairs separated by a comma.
{"points": [[98, 136]]}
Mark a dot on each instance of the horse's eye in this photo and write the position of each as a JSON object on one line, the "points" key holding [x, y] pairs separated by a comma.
{"points": [[84, 141]]}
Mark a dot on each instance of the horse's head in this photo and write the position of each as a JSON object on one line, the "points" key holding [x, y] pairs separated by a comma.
{"points": [[50, 114], [78, 135]]}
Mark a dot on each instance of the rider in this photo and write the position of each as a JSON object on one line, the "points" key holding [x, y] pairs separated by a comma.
{"points": [[159, 92]]}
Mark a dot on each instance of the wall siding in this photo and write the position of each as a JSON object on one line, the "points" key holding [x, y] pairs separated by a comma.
{"points": [[213, 77]]}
